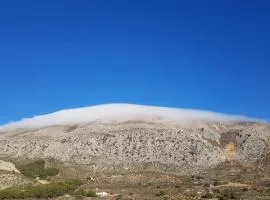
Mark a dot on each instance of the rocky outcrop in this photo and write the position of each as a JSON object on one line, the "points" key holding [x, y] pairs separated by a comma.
{"points": [[8, 166], [11, 179], [253, 143]]}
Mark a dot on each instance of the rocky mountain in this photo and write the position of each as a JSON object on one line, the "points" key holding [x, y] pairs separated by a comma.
{"points": [[118, 137]]}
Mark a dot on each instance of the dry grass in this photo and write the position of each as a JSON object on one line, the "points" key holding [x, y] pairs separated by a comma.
{"points": [[229, 180]]}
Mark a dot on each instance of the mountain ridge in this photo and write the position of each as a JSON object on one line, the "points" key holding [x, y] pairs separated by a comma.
{"points": [[123, 136], [122, 112]]}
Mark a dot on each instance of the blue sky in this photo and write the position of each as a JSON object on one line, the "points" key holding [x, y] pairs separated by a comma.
{"points": [[211, 55]]}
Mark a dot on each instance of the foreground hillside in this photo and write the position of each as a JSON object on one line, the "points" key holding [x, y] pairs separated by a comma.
{"points": [[117, 150]]}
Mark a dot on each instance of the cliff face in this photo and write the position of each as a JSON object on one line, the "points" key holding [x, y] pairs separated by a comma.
{"points": [[132, 145]]}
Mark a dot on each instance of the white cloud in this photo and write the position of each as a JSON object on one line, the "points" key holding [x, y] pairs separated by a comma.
{"points": [[119, 112]]}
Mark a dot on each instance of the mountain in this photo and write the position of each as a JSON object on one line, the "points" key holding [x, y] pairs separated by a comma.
{"points": [[116, 137]]}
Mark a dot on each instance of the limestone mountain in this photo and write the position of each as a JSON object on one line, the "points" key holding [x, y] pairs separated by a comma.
{"points": [[130, 137]]}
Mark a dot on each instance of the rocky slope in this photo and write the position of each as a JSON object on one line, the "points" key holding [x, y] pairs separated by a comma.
{"points": [[147, 140]]}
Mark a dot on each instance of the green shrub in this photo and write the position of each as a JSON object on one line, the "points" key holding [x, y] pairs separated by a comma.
{"points": [[51, 171], [42, 191], [37, 169], [84, 193]]}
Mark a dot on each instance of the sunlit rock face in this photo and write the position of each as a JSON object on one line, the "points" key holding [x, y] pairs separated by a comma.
{"points": [[132, 137]]}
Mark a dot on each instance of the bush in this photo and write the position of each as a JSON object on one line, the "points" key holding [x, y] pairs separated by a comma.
{"points": [[208, 196], [37, 169], [223, 198], [42, 191], [121, 197], [86, 193], [228, 194], [51, 171], [267, 184], [161, 193]]}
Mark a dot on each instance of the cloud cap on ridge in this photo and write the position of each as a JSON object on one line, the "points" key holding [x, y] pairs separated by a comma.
{"points": [[119, 113]]}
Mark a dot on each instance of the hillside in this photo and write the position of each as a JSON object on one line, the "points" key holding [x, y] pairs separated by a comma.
{"points": [[130, 138]]}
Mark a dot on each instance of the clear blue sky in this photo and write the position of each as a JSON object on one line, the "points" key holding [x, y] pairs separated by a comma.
{"points": [[212, 55]]}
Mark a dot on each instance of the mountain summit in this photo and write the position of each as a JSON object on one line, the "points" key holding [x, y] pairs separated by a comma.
{"points": [[119, 113]]}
